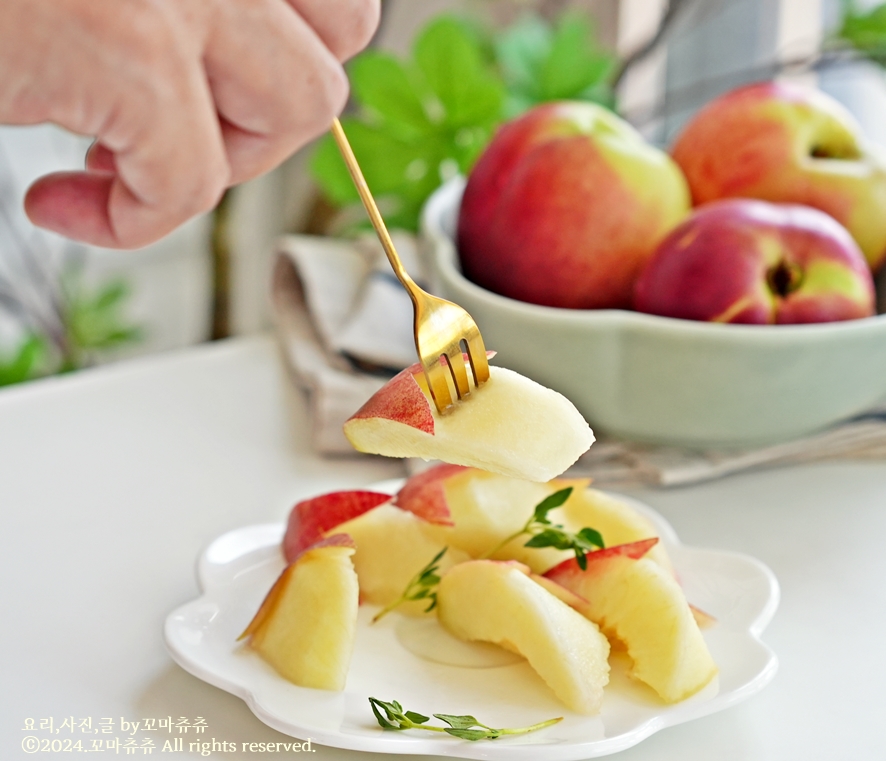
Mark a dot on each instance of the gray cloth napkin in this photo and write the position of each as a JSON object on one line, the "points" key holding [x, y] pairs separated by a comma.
{"points": [[345, 324], [344, 321]]}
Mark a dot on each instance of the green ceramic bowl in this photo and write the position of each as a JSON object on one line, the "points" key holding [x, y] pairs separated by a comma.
{"points": [[663, 380]]}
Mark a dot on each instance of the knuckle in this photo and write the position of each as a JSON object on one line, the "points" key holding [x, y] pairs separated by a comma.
{"points": [[336, 91], [324, 95], [360, 22], [209, 186], [365, 23], [312, 117], [307, 109], [147, 37]]}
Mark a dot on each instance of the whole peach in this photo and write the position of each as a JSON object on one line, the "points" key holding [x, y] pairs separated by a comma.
{"points": [[564, 207]]}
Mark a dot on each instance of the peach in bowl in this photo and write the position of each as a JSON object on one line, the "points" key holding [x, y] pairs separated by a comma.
{"points": [[665, 380]]}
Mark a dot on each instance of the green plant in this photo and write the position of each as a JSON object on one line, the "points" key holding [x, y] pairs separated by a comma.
{"points": [[94, 322], [24, 363], [422, 120], [542, 62], [86, 323], [865, 30]]}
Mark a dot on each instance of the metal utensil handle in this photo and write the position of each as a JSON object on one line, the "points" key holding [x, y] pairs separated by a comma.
{"points": [[369, 203]]}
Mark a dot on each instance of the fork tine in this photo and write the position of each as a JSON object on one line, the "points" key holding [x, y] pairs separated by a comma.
{"points": [[455, 359], [439, 388], [477, 357]]}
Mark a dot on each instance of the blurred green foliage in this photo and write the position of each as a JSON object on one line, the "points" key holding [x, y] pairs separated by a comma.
{"points": [[540, 62], [865, 30], [95, 322], [92, 322], [422, 120], [24, 363]]}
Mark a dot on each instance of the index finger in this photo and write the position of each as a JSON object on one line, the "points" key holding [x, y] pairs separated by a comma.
{"points": [[161, 126]]}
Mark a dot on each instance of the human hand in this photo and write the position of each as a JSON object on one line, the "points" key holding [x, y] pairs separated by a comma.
{"points": [[183, 97]]}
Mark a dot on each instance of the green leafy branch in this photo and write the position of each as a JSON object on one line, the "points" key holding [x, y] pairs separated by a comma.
{"points": [[544, 533], [422, 586], [392, 716]]}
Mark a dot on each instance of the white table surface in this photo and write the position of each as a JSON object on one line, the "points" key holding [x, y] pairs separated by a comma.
{"points": [[112, 480]]}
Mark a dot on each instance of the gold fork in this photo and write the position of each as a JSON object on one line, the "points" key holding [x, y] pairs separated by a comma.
{"points": [[444, 332]]}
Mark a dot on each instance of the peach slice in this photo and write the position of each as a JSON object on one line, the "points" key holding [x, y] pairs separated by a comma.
{"points": [[425, 493], [510, 425], [496, 601], [306, 625], [638, 603], [311, 519], [393, 545]]}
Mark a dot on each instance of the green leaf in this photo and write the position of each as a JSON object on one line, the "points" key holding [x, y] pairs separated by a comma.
{"points": [[573, 65], [550, 502], [591, 537], [459, 722], [385, 721], [95, 320], [111, 295], [400, 172], [543, 63], [521, 50], [383, 84], [552, 537], [385, 159], [472, 734], [865, 31], [419, 121], [452, 62], [22, 366]]}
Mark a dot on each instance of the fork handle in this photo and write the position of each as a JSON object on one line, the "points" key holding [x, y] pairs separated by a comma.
{"points": [[371, 209]]}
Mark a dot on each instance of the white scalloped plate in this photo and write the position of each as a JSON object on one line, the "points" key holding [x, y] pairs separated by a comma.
{"points": [[237, 569]]}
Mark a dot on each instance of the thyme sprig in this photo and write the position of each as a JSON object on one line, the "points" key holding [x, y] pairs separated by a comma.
{"points": [[544, 533], [422, 586], [392, 716]]}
